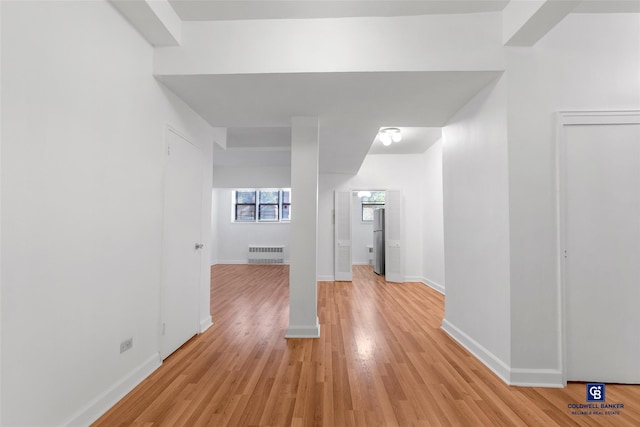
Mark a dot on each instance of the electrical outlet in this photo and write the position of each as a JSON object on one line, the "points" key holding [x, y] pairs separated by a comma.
{"points": [[126, 345]]}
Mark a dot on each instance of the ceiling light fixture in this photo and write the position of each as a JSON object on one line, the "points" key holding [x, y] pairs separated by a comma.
{"points": [[389, 135]]}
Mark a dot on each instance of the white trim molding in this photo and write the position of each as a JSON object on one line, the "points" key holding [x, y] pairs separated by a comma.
{"points": [[101, 404], [326, 278], [232, 261], [244, 262], [433, 285], [490, 360], [206, 323], [298, 331], [536, 378], [567, 118], [511, 376]]}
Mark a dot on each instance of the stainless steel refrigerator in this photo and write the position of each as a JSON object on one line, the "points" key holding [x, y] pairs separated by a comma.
{"points": [[378, 241]]}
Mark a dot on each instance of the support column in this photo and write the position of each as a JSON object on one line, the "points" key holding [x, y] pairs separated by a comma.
{"points": [[303, 291]]}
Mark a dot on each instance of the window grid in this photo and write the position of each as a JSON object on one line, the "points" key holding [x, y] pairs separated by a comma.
{"points": [[245, 206], [269, 204], [261, 205]]}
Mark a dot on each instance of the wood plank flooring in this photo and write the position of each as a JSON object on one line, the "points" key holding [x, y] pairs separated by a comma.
{"points": [[381, 360]]}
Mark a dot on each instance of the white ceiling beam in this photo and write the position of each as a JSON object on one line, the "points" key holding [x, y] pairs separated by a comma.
{"points": [[524, 22], [155, 20], [414, 43]]}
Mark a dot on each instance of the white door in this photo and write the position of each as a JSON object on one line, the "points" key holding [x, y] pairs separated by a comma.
{"points": [[182, 234], [342, 237], [394, 270], [601, 266]]}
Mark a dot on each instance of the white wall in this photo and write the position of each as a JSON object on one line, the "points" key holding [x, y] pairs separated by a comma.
{"points": [[476, 226], [361, 232], [432, 215], [587, 62], [403, 172], [390, 172], [252, 177], [231, 240], [500, 222], [82, 201], [235, 237]]}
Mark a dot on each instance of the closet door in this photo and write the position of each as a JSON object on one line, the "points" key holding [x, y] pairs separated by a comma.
{"points": [[342, 236], [182, 239], [601, 254], [394, 260]]}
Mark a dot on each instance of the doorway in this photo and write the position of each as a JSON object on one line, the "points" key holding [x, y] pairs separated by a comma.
{"points": [[599, 167], [348, 215], [364, 203]]}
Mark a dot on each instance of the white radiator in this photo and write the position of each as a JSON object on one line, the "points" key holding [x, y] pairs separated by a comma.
{"points": [[266, 255]]}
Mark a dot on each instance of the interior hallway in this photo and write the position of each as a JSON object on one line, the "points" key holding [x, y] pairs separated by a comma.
{"points": [[381, 360]]}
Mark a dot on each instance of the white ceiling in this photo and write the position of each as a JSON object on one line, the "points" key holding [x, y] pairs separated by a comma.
{"points": [[260, 146], [256, 109], [351, 107], [210, 10], [401, 98], [608, 6]]}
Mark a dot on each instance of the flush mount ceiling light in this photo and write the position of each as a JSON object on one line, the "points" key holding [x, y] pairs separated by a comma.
{"points": [[389, 135]]}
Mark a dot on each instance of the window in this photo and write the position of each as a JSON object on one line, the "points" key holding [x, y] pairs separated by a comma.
{"points": [[245, 205], [286, 205], [371, 203], [262, 205], [269, 203]]}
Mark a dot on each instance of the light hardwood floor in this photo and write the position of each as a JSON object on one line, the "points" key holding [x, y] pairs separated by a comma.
{"points": [[381, 360]]}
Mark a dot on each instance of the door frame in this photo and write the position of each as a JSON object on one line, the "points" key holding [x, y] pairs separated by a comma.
{"points": [[563, 119], [162, 312], [352, 190]]}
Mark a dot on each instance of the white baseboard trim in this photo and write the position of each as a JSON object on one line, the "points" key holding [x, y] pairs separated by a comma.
{"points": [[325, 278], [101, 404], [361, 263], [244, 261], [297, 331], [485, 356], [434, 285], [551, 378], [412, 279], [206, 323]]}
